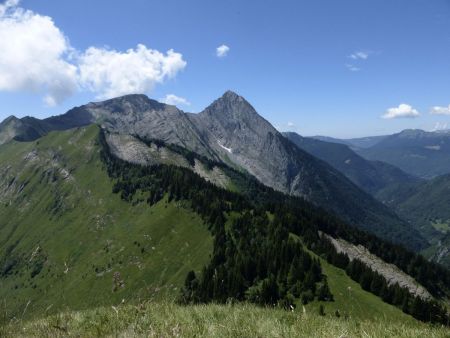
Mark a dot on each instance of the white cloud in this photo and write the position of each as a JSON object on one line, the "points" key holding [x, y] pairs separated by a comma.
{"points": [[352, 68], [175, 100], [440, 110], [36, 56], [222, 51], [359, 55], [403, 110], [290, 124], [33, 55], [110, 73], [7, 5]]}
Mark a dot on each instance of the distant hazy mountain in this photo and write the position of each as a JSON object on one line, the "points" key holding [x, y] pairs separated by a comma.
{"points": [[420, 153], [355, 143], [372, 176]]}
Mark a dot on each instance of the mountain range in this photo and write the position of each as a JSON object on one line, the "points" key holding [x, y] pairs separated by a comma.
{"points": [[231, 131], [420, 153], [126, 198], [371, 176]]}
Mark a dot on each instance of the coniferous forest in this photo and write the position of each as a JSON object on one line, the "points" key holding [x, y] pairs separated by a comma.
{"points": [[262, 240]]}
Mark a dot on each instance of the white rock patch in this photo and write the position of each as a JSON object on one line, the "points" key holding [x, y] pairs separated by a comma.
{"points": [[390, 272], [436, 147], [223, 147]]}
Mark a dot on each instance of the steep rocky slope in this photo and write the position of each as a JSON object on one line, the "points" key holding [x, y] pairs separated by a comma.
{"points": [[232, 127], [134, 150]]}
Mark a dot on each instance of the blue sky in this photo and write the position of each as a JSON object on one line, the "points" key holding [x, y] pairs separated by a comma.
{"points": [[316, 67]]}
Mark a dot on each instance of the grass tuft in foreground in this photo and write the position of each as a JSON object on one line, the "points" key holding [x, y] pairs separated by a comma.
{"points": [[241, 320]]}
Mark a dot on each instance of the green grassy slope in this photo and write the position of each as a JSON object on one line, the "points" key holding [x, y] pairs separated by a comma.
{"points": [[241, 320], [63, 236], [350, 299], [73, 234]]}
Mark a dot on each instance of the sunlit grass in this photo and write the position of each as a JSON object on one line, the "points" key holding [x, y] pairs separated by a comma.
{"points": [[240, 320]]}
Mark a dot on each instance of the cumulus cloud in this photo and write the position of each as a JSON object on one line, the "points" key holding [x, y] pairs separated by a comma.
{"points": [[110, 73], [359, 55], [222, 51], [175, 100], [33, 55], [403, 110], [36, 56], [437, 110]]}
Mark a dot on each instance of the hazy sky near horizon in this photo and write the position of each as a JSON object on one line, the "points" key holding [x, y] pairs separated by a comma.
{"points": [[344, 68]]}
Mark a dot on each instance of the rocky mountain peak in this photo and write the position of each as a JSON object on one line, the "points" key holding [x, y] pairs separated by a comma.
{"points": [[230, 95], [131, 103], [9, 119], [232, 116], [232, 107]]}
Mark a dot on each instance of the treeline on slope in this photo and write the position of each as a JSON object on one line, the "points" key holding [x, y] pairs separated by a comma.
{"points": [[253, 258], [433, 276], [257, 260], [254, 255]]}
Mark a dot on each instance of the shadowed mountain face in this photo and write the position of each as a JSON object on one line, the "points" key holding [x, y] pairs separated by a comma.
{"points": [[236, 132], [371, 176], [231, 131]]}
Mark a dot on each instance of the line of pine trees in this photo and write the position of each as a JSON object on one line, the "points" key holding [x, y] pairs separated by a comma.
{"points": [[259, 261]]}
